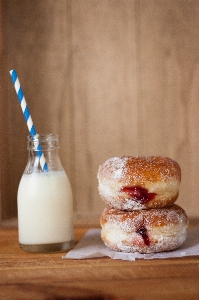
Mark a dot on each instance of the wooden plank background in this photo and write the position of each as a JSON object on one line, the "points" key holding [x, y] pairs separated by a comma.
{"points": [[111, 77], [5, 204]]}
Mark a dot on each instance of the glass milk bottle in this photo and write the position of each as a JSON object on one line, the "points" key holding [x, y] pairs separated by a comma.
{"points": [[45, 202]]}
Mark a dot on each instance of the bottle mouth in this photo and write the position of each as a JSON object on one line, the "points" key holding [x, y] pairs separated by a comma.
{"points": [[46, 141]]}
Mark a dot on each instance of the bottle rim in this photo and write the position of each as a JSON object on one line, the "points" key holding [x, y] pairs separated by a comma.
{"points": [[43, 137], [46, 141]]}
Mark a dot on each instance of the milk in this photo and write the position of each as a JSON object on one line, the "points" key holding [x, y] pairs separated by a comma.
{"points": [[45, 208]]}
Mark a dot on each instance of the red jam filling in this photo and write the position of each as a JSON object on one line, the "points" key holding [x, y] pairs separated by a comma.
{"points": [[143, 232], [138, 193]]}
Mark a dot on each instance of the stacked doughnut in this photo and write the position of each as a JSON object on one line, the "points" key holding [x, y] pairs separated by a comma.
{"points": [[141, 215]]}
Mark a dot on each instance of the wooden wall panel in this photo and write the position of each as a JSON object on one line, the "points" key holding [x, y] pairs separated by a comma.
{"points": [[5, 203], [169, 91], [105, 100], [112, 77]]}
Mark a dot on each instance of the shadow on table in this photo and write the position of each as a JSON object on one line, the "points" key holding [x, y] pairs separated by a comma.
{"points": [[49, 291]]}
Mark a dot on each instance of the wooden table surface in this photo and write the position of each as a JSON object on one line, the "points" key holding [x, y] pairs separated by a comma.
{"points": [[47, 276]]}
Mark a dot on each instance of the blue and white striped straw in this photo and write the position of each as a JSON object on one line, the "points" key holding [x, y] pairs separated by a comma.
{"points": [[27, 117]]}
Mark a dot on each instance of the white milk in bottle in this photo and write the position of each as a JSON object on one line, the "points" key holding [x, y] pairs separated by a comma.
{"points": [[45, 202]]}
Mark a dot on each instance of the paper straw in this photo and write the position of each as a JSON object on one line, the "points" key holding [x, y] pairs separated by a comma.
{"points": [[28, 118]]}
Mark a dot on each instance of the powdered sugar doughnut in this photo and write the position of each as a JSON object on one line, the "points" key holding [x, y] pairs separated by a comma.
{"points": [[144, 231], [130, 183]]}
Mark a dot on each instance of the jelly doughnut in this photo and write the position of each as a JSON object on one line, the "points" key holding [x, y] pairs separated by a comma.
{"points": [[144, 231], [130, 183]]}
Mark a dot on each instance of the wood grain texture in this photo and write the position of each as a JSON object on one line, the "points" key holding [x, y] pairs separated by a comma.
{"points": [[5, 203], [48, 276], [169, 61], [105, 100], [112, 78]]}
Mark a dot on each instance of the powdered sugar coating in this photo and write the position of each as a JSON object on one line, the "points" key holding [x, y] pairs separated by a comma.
{"points": [[158, 175], [166, 229], [139, 169]]}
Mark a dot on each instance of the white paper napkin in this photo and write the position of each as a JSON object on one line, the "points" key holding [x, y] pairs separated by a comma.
{"points": [[91, 245]]}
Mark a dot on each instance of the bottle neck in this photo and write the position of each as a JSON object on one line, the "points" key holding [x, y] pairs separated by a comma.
{"points": [[46, 141], [47, 146]]}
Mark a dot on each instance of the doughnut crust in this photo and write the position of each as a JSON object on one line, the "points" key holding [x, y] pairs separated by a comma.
{"points": [[144, 231], [133, 183]]}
